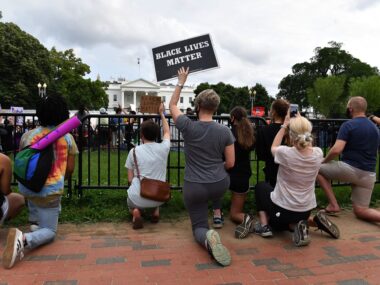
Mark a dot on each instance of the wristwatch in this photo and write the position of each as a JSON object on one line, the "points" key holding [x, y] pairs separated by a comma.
{"points": [[179, 85]]}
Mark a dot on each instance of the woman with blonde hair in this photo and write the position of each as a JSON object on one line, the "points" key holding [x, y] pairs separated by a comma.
{"points": [[289, 204]]}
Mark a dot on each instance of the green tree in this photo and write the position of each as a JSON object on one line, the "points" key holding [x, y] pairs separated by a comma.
{"points": [[23, 63], [369, 88], [68, 73], [327, 95], [327, 61], [231, 96]]}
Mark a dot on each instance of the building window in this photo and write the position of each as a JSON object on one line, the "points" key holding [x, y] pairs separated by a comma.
{"points": [[190, 100], [181, 100], [115, 98]]}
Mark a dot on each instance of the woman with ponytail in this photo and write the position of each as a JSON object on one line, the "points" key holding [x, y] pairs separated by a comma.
{"points": [[242, 129]]}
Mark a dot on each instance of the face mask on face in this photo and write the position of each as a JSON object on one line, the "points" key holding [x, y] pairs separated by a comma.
{"points": [[348, 113]]}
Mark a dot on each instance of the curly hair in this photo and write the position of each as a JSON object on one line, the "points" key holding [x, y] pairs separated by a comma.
{"points": [[52, 110]]}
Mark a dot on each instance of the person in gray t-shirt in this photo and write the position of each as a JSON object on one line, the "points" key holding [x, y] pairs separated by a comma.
{"points": [[209, 151]]}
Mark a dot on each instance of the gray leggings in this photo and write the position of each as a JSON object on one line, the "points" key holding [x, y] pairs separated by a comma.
{"points": [[196, 197]]}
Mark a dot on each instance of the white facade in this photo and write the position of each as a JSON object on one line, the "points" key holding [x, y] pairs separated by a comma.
{"points": [[128, 94]]}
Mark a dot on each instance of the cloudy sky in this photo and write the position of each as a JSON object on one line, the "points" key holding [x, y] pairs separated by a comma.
{"points": [[256, 41]]}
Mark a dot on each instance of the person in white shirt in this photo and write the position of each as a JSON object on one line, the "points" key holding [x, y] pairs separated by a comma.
{"points": [[288, 205], [151, 160]]}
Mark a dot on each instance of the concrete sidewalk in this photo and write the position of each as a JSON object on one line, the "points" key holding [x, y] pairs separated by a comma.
{"points": [[166, 253]]}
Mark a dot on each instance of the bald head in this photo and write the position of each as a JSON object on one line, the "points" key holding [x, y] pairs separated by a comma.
{"points": [[357, 104]]}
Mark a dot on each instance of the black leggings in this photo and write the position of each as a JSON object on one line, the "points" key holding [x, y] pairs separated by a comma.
{"points": [[279, 218], [196, 197]]}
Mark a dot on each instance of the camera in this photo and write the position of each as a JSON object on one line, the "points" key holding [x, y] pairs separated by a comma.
{"points": [[293, 110]]}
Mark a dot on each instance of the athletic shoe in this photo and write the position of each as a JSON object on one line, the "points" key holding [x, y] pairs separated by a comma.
{"points": [[217, 250], [324, 224], [34, 227], [301, 234], [242, 230], [13, 249], [262, 230], [218, 222]]}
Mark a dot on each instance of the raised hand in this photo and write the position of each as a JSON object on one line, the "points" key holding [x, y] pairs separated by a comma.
{"points": [[182, 75]]}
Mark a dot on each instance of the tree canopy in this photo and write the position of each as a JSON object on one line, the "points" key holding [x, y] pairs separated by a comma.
{"points": [[231, 96], [25, 62], [369, 88], [327, 61]]}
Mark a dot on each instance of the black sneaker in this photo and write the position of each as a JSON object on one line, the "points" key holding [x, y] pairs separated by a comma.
{"points": [[218, 222], [242, 230], [301, 234], [262, 230], [324, 224]]}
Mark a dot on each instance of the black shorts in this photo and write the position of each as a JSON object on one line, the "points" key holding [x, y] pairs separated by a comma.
{"points": [[279, 218], [239, 183]]}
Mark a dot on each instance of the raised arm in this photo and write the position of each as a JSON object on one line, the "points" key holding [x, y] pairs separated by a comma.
{"points": [[165, 125], [174, 110]]}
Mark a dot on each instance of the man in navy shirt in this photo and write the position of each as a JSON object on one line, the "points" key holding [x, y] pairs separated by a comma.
{"points": [[358, 142]]}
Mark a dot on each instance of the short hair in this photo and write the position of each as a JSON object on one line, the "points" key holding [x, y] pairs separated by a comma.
{"points": [[358, 104], [208, 100], [149, 130], [280, 106], [300, 131], [52, 110]]}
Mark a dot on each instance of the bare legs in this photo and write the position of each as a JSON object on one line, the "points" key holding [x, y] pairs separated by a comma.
{"points": [[237, 204], [325, 184]]}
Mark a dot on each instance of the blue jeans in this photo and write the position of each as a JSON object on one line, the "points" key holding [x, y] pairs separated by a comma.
{"points": [[47, 218]]}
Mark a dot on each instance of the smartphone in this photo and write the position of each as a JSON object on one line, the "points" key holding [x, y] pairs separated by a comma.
{"points": [[293, 110]]}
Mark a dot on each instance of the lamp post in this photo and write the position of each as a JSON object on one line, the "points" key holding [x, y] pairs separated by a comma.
{"points": [[252, 95], [42, 89]]}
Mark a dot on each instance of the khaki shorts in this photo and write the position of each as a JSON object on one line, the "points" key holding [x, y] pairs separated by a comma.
{"points": [[362, 182]]}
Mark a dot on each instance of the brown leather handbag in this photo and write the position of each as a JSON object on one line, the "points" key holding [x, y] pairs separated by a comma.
{"points": [[152, 189]]}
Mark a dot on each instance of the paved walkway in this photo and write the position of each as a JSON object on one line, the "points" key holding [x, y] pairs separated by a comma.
{"points": [[165, 253]]}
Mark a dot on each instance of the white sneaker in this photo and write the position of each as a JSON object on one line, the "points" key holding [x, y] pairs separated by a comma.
{"points": [[14, 248], [34, 227]]}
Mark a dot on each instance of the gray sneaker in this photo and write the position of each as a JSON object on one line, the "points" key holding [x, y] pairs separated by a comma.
{"points": [[215, 247], [262, 230], [324, 224], [301, 234], [243, 229]]}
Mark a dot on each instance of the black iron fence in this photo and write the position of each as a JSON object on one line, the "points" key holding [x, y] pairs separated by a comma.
{"points": [[105, 140]]}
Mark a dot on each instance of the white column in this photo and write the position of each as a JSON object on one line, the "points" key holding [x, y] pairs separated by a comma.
{"points": [[122, 99], [134, 98]]}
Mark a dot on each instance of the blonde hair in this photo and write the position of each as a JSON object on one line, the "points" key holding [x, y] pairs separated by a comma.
{"points": [[208, 100], [300, 132]]}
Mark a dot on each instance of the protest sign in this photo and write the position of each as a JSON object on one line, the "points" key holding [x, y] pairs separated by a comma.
{"points": [[196, 53], [150, 104], [20, 110]]}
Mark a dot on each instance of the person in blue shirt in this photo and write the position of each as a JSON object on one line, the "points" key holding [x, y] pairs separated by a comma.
{"points": [[358, 143]]}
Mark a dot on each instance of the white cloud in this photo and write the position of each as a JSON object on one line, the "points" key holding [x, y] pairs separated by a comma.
{"points": [[255, 41]]}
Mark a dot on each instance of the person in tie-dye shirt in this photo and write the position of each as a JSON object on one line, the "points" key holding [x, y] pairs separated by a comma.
{"points": [[44, 207]]}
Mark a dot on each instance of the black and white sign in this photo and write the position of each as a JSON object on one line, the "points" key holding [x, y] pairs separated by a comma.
{"points": [[196, 53]]}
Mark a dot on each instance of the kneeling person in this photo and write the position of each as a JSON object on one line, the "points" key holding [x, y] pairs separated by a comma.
{"points": [[151, 160]]}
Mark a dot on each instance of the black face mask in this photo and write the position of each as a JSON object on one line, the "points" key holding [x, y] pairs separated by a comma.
{"points": [[348, 113]]}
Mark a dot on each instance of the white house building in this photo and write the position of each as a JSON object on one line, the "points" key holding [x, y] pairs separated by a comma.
{"points": [[128, 94]]}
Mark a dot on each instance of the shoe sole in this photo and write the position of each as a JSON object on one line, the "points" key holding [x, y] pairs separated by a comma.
{"points": [[270, 234], [218, 250], [217, 226], [326, 225], [138, 223], [241, 232], [9, 254], [297, 236]]}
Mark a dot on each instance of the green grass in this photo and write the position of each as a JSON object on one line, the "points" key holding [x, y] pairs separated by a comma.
{"points": [[111, 205]]}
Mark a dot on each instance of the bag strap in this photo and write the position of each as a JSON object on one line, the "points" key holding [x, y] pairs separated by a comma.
{"points": [[137, 167]]}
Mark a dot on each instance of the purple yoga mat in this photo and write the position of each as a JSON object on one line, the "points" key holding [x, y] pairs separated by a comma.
{"points": [[58, 132]]}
